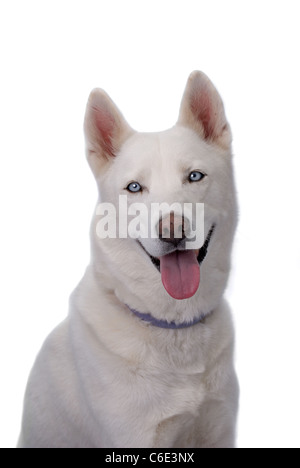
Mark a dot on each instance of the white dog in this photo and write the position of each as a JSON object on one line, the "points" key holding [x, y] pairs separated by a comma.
{"points": [[145, 356]]}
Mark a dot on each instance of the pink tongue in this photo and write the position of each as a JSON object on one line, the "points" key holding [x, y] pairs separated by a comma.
{"points": [[180, 273]]}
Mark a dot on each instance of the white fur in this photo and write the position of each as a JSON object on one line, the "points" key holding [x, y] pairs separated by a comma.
{"points": [[104, 378]]}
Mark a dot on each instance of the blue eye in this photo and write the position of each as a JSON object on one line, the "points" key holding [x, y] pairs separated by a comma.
{"points": [[195, 176], [134, 187]]}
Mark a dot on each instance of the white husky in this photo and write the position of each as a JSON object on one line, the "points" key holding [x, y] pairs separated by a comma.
{"points": [[145, 356]]}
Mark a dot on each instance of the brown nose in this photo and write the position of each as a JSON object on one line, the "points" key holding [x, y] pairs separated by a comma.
{"points": [[171, 229]]}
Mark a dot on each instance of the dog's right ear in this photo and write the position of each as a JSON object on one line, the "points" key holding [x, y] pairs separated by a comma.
{"points": [[105, 130]]}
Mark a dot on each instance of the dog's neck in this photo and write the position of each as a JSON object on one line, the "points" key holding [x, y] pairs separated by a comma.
{"points": [[164, 324]]}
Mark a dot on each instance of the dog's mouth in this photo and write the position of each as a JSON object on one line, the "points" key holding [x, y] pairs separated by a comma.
{"points": [[180, 270]]}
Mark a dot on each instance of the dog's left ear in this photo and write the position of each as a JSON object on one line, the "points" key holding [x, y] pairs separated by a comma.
{"points": [[105, 130], [202, 110]]}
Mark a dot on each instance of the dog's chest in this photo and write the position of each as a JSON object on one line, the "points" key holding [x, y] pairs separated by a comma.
{"points": [[180, 409], [152, 408]]}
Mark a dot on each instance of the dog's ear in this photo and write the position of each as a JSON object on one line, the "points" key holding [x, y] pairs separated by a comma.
{"points": [[202, 109], [105, 130]]}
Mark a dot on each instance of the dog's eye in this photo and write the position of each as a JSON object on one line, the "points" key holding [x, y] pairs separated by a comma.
{"points": [[195, 176], [134, 187]]}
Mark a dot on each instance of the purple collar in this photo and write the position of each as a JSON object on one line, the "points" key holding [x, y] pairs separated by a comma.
{"points": [[163, 323]]}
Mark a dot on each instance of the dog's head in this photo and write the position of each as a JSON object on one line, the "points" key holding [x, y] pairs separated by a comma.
{"points": [[188, 166]]}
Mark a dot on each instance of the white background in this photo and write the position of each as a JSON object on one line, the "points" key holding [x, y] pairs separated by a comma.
{"points": [[141, 52]]}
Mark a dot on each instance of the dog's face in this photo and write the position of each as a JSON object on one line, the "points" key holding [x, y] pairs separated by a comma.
{"points": [[188, 164]]}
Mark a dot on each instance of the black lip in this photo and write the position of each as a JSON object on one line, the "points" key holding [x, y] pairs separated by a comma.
{"points": [[202, 252]]}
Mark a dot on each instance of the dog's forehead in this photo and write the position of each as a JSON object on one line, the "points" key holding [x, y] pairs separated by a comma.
{"points": [[177, 146]]}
